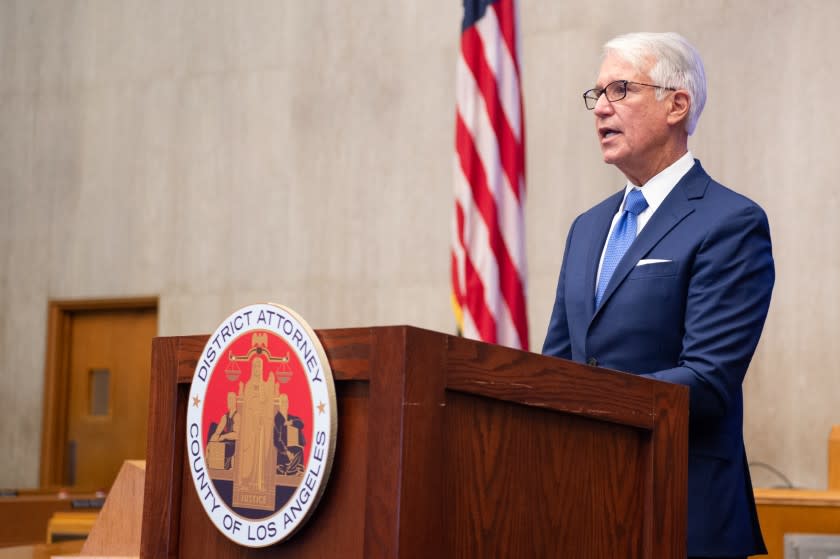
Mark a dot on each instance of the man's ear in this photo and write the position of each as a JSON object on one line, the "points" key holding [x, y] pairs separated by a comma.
{"points": [[680, 104]]}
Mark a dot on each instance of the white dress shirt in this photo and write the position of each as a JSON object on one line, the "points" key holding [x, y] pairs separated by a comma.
{"points": [[655, 190]]}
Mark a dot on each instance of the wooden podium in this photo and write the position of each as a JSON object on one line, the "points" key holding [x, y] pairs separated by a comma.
{"points": [[452, 448]]}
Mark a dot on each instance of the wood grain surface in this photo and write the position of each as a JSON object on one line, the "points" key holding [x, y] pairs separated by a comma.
{"points": [[452, 448]]}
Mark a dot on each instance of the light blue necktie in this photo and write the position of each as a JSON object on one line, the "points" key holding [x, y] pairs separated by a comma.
{"points": [[622, 237]]}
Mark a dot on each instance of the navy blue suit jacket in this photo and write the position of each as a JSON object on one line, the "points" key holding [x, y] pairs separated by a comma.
{"points": [[693, 319]]}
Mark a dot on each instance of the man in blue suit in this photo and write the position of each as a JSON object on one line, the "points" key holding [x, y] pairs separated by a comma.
{"points": [[671, 277]]}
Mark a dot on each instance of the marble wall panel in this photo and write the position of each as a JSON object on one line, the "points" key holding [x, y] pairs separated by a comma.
{"points": [[216, 154]]}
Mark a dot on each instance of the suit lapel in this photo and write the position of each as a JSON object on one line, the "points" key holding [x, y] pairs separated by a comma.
{"points": [[674, 208]]}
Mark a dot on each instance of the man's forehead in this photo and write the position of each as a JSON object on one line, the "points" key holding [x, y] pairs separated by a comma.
{"points": [[615, 67]]}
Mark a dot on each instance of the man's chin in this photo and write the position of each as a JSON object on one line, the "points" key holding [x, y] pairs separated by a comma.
{"points": [[610, 158]]}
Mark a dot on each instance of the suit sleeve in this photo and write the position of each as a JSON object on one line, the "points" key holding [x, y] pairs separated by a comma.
{"points": [[557, 340], [727, 301]]}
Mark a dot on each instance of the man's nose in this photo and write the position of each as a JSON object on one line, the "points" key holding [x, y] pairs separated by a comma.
{"points": [[602, 105]]}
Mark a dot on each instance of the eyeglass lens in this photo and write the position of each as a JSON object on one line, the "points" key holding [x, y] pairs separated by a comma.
{"points": [[615, 91]]}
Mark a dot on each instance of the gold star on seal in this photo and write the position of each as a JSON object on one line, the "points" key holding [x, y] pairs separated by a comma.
{"points": [[196, 401], [321, 407]]}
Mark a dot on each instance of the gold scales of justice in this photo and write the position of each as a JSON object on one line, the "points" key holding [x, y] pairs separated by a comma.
{"points": [[259, 346], [245, 453]]}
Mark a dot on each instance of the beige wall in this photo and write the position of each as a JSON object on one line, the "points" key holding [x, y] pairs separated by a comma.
{"points": [[222, 153]]}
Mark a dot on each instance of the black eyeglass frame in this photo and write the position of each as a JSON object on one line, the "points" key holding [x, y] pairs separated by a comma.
{"points": [[587, 95]]}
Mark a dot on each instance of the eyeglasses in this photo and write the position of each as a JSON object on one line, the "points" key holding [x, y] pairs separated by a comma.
{"points": [[615, 91]]}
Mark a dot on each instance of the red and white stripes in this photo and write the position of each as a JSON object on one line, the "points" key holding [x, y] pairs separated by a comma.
{"points": [[488, 242]]}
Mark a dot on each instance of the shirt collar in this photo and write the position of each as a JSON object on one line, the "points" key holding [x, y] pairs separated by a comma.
{"points": [[657, 188]]}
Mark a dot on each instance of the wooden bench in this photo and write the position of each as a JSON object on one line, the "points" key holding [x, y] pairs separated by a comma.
{"points": [[786, 511], [64, 526], [24, 517]]}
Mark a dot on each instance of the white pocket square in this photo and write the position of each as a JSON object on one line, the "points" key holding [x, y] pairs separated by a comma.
{"points": [[646, 261]]}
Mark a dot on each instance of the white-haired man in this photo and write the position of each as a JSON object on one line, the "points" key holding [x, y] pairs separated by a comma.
{"points": [[671, 277]]}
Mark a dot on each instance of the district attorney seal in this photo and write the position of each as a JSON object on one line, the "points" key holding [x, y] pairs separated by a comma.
{"points": [[261, 424]]}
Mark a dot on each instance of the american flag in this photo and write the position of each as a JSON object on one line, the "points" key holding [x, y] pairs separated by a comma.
{"points": [[488, 240]]}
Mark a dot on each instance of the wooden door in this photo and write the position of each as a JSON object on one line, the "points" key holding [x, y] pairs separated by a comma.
{"points": [[101, 395]]}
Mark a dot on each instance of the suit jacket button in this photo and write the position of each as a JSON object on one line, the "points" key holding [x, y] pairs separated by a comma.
{"points": [[592, 361]]}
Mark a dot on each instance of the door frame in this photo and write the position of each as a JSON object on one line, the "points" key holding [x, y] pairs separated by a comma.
{"points": [[57, 377]]}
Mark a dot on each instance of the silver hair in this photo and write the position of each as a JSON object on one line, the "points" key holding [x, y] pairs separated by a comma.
{"points": [[678, 65]]}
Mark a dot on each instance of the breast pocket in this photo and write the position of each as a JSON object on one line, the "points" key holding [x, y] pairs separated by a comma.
{"points": [[654, 270]]}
